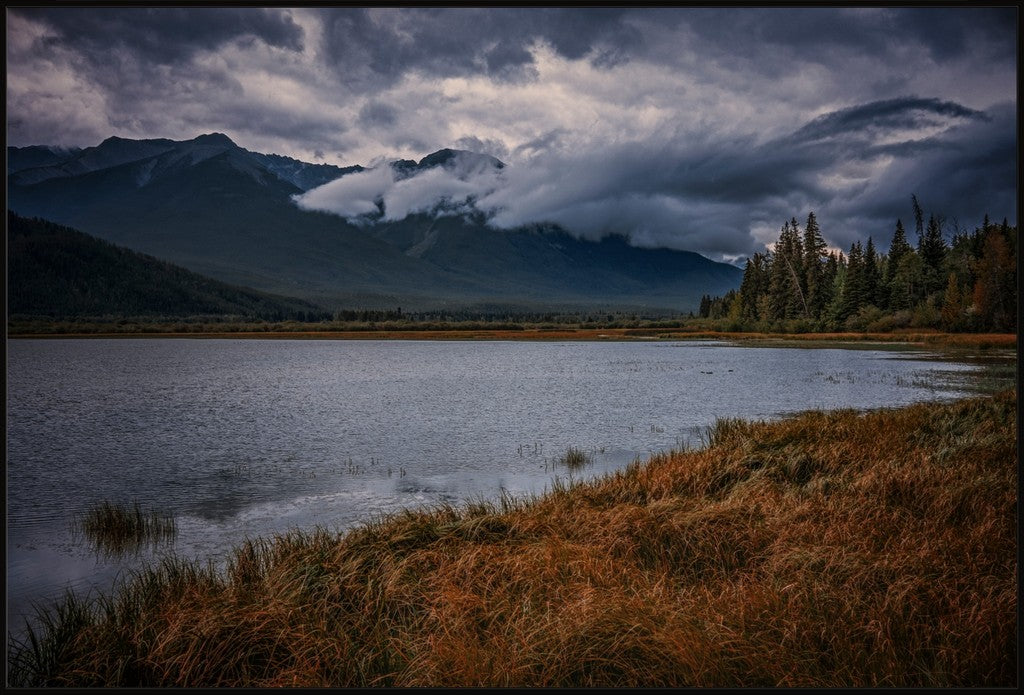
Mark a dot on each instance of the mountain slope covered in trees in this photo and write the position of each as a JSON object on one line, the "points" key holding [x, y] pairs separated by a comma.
{"points": [[59, 272]]}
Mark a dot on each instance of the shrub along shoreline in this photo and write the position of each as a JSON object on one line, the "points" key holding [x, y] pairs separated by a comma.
{"points": [[831, 549]]}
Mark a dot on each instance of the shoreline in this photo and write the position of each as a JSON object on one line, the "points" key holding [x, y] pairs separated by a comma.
{"points": [[976, 340]]}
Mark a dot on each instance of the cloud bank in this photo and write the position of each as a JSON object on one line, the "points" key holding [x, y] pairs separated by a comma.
{"points": [[699, 128], [860, 165]]}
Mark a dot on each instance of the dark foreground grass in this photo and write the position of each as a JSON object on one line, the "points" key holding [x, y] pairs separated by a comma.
{"points": [[830, 549]]}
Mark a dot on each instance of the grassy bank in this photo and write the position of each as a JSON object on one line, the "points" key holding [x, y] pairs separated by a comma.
{"points": [[476, 331], [830, 549]]}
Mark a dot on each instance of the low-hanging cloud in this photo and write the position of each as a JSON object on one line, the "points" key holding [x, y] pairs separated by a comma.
{"points": [[381, 193], [709, 197]]}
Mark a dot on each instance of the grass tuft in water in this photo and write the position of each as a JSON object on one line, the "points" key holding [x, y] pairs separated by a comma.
{"points": [[117, 528], [574, 458]]}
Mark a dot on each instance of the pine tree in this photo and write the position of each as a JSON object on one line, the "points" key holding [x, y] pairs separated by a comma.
{"points": [[705, 306], [814, 253], [754, 286], [834, 309], [871, 278], [908, 283], [853, 286], [785, 291], [828, 280], [897, 249], [918, 216], [933, 250]]}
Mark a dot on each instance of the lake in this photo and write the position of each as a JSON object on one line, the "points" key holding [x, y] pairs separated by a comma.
{"points": [[243, 438]]}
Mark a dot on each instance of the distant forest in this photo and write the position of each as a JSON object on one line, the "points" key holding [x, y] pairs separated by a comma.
{"points": [[58, 272], [968, 285]]}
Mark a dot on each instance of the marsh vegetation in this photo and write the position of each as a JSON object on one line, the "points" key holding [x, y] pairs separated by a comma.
{"points": [[115, 528], [790, 553], [574, 458]]}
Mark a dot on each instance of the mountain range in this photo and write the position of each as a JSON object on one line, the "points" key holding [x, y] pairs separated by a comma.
{"points": [[228, 213]]}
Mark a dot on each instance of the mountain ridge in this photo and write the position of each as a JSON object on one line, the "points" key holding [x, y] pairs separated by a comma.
{"points": [[223, 211]]}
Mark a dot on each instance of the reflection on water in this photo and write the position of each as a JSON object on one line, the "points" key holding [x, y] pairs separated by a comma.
{"points": [[240, 438]]}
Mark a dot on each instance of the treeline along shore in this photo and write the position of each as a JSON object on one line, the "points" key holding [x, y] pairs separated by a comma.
{"points": [[966, 285], [790, 553]]}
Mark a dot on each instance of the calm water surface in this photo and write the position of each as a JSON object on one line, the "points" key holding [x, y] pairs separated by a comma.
{"points": [[240, 438]]}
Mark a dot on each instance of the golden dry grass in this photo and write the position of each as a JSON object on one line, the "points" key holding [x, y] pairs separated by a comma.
{"points": [[828, 550]]}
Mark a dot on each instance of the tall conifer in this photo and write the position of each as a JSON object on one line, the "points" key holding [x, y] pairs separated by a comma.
{"points": [[814, 253], [871, 279], [853, 287], [932, 248]]}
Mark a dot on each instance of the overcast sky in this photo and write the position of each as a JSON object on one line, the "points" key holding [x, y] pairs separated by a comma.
{"points": [[695, 128]]}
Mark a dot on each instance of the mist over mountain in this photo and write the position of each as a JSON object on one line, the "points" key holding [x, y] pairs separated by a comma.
{"points": [[406, 232]]}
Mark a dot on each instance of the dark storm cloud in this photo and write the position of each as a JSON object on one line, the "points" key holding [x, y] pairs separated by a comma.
{"points": [[707, 197], [964, 173], [890, 114], [698, 128], [375, 113], [166, 34], [815, 33], [950, 32], [376, 47]]}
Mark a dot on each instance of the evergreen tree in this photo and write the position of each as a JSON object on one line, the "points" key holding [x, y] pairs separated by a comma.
{"points": [[897, 249], [705, 306], [754, 286], [918, 217], [871, 277], [853, 297], [908, 284], [828, 281], [834, 308], [933, 250], [1010, 235], [814, 253], [785, 291]]}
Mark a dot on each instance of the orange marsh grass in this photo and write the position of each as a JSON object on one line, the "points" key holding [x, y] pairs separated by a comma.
{"points": [[827, 550]]}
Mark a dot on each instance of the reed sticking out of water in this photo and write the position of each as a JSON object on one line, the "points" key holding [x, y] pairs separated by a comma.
{"points": [[117, 528], [574, 458], [826, 550]]}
